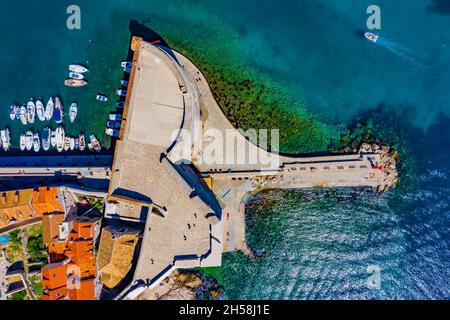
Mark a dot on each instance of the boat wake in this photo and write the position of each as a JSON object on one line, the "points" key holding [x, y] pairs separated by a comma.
{"points": [[399, 50]]}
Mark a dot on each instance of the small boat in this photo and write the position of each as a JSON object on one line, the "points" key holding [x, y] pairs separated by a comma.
{"points": [[59, 139], [76, 75], [17, 112], [90, 147], [82, 142], [40, 111], [23, 140], [121, 92], [113, 124], [126, 64], [115, 117], [23, 114], [124, 83], [102, 98], [112, 132], [371, 37], [77, 68], [6, 141], [127, 70], [53, 139], [73, 111], [12, 111], [72, 143], [95, 144], [46, 139], [120, 104], [58, 113], [31, 110], [36, 143], [77, 143], [49, 109], [66, 143], [75, 83], [29, 140]]}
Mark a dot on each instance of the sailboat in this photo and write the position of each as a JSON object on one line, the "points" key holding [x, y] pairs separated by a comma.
{"points": [[31, 110], [53, 138], [23, 115], [46, 139], [29, 140], [58, 111], [49, 109], [82, 142], [77, 68], [59, 139], [40, 110], [36, 143], [73, 112], [22, 142], [6, 141]]}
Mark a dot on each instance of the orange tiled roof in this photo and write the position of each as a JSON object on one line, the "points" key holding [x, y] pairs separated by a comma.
{"points": [[54, 276], [84, 292], [56, 294], [50, 226]]}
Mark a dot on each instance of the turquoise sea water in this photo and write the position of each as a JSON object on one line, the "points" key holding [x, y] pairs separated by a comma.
{"points": [[318, 245]]}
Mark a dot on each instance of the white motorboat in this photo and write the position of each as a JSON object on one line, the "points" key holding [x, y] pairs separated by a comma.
{"points": [[59, 139], [112, 132], [91, 148], [101, 97], [31, 110], [6, 141], [58, 111], [36, 143], [82, 142], [29, 140], [40, 111], [23, 115], [12, 111], [53, 139], [66, 144], [77, 68], [77, 143], [126, 64], [22, 142], [371, 37], [115, 117], [46, 139], [49, 109], [76, 76], [73, 111], [121, 92], [72, 143]]}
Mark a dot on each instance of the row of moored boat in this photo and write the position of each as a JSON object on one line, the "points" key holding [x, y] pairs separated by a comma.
{"points": [[53, 110]]}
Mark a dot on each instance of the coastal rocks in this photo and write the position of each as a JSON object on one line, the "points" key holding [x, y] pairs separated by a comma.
{"points": [[387, 164]]}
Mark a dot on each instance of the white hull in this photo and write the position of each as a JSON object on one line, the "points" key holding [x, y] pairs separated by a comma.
{"points": [[59, 137], [49, 110], [40, 111], [77, 68]]}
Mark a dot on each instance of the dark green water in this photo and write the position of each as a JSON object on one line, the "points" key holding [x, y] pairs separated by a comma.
{"points": [[316, 65]]}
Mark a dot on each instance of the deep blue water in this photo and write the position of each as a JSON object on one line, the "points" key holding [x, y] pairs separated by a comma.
{"points": [[319, 245]]}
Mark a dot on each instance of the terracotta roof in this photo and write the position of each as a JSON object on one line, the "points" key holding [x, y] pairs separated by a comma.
{"points": [[54, 275], [85, 291], [50, 226], [115, 255]]}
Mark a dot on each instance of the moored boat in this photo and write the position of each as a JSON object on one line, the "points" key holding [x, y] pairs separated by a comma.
{"points": [[120, 104], [36, 143], [49, 109], [31, 110], [101, 97], [72, 143], [29, 140], [115, 117], [95, 143], [46, 139], [76, 75], [82, 142], [59, 139], [53, 138], [6, 141], [112, 132], [75, 82], [77, 68], [73, 111], [66, 143], [23, 114], [40, 110], [58, 111], [91, 148], [77, 143], [121, 92], [12, 111], [22, 142], [124, 83], [113, 124]]}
